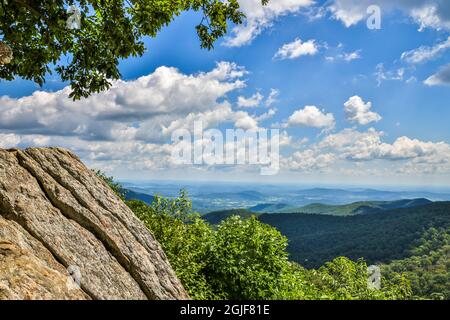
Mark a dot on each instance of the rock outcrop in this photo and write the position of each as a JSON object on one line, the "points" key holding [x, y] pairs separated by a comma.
{"points": [[65, 235]]}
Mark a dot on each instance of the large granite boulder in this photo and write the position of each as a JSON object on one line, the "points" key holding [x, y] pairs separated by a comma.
{"points": [[65, 235]]}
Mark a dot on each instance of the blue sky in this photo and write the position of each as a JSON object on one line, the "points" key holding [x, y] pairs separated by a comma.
{"points": [[355, 106]]}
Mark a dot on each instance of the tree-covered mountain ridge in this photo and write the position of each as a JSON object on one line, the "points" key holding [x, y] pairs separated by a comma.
{"points": [[359, 207], [414, 241], [410, 242]]}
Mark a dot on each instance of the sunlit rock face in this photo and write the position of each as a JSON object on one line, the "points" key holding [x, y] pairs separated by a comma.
{"points": [[64, 234]]}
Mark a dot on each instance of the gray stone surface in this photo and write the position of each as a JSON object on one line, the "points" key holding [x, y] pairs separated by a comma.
{"points": [[81, 223]]}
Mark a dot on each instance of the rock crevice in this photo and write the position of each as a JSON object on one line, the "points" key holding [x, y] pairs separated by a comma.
{"points": [[81, 223]]}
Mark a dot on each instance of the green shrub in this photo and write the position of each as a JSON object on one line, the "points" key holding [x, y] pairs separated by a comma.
{"points": [[246, 259], [185, 238]]}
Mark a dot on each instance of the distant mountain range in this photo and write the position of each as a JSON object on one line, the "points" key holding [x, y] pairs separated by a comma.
{"points": [[207, 197], [132, 195], [381, 236], [217, 216], [362, 207], [269, 207], [237, 196]]}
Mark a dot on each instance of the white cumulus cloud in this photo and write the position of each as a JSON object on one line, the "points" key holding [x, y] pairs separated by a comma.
{"points": [[129, 110], [350, 148], [296, 49], [311, 116], [131, 124], [260, 17], [358, 111], [251, 102], [368, 145], [425, 53]]}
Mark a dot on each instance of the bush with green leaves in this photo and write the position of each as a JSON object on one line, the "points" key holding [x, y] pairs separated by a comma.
{"points": [[343, 279], [240, 259], [185, 238], [246, 259]]}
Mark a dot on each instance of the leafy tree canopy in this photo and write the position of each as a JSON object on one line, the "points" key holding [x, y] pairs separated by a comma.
{"points": [[110, 30], [247, 259]]}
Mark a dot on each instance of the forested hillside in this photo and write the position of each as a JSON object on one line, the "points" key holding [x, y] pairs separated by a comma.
{"points": [[363, 207], [247, 259], [382, 237], [428, 267], [132, 195], [413, 241], [217, 216]]}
